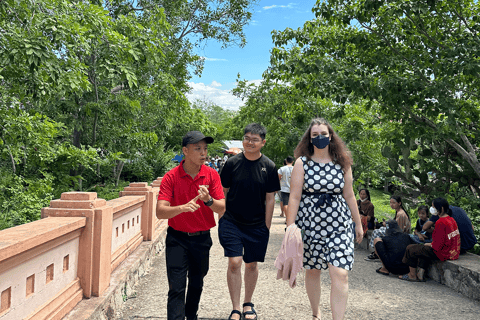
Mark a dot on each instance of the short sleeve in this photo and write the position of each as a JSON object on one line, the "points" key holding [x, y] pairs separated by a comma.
{"points": [[166, 188], [273, 183], [418, 228], [226, 174], [434, 218]]}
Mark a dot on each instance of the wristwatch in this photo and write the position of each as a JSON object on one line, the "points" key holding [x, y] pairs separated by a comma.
{"points": [[209, 202]]}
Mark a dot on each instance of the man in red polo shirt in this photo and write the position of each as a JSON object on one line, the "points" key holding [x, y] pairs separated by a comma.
{"points": [[189, 194]]}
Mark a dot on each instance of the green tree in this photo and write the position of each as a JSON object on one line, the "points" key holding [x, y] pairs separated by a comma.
{"points": [[418, 61]]}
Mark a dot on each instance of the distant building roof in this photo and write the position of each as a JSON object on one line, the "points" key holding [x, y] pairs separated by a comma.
{"points": [[234, 144]]}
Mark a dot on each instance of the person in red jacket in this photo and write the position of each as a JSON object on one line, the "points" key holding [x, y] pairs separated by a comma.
{"points": [[445, 243]]}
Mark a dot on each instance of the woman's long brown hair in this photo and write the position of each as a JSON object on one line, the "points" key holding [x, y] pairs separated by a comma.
{"points": [[337, 149]]}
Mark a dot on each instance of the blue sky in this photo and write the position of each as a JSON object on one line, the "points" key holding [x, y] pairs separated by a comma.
{"points": [[223, 65]]}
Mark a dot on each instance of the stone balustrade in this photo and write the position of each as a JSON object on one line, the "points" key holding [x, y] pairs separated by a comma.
{"points": [[48, 266]]}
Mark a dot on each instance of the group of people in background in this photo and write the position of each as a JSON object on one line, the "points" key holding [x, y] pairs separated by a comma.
{"points": [[318, 201], [442, 232], [216, 162]]}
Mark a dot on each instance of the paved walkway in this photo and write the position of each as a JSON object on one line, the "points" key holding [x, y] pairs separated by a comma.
{"points": [[371, 296]]}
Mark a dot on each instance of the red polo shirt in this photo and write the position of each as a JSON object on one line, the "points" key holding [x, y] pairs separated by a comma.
{"points": [[178, 188]]}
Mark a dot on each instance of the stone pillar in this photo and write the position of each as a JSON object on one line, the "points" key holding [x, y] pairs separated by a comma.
{"points": [[94, 257], [156, 183], [148, 210]]}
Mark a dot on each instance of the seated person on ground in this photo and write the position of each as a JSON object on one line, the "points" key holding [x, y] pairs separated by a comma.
{"points": [[445, 244], [465, 227], [366, 208], [402, 219], [391, 249], [421, 236]]}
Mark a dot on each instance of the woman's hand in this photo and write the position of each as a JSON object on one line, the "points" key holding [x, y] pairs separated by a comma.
{"points": [[359, 233]]}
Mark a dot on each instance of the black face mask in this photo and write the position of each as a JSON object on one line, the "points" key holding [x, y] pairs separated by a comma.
{"points": [[321, 142]]}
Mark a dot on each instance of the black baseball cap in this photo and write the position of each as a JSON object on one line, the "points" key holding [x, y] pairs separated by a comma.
{"points": [[194, 137]]}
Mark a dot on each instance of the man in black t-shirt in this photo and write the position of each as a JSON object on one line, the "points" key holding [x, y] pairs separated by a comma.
{"points": [[249, 181]]}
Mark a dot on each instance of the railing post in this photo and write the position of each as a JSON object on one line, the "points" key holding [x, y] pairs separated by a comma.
{"points": [[148, 210], [94, 256]]}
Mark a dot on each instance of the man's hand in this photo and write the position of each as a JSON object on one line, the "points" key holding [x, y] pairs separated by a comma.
{"points": [[421, 237], [203, 193], [428, 244], [191, 206]]}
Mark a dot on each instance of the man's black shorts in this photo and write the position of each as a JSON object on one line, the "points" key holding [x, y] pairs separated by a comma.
{"points": [[284, 196], [238, 241]]}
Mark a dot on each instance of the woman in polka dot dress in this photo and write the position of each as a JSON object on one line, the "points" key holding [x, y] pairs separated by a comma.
{"points": [[322, 204]]}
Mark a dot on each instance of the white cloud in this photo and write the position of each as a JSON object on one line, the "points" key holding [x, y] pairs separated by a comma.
{"points": [[213, 93], [290, 6], [254, 22], [213, 59]]}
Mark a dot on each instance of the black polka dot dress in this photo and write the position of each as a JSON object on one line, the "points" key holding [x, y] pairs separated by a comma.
{"points": [[325, 218]]}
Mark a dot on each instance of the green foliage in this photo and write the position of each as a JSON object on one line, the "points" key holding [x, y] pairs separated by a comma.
{"points": [[89, 89], [416, 60], [109, 191], [21, 199]]}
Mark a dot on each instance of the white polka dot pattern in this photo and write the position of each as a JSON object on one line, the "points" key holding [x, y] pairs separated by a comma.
{"points": [[328, 231]]}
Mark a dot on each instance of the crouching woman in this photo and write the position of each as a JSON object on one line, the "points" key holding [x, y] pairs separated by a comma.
{"points": [[445, 243]]}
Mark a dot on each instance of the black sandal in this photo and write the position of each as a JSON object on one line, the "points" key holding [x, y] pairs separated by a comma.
{"points": [[250, 312], [235, 312]]}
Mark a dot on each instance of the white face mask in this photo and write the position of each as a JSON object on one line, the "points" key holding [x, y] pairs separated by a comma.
{"points": [[433, 211]]}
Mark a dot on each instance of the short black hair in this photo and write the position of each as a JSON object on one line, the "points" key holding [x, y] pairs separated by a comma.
{"points": [[255, 128], [290, 159], [440, 203]]}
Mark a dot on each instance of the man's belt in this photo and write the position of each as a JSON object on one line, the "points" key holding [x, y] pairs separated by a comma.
{"points": [[191, 234]]}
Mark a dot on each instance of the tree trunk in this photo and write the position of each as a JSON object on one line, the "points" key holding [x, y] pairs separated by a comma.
{"points": [[11, 157], [119, 168], [76, 137]]}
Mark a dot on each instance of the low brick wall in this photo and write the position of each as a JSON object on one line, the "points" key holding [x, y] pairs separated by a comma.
{"points": [[122, 281], [462, 275]]}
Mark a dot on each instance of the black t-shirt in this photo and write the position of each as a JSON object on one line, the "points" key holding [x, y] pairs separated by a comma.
{"points": [[248, 183]]}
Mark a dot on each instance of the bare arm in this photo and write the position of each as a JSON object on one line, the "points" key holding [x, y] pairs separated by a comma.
{"points": [[427, 225], [165, 211], [218, 206], [296, 185], [269, 205], [349, 196]]}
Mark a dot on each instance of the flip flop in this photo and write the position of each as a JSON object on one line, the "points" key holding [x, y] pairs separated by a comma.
{"points": [[384, 273], [407, 278]]}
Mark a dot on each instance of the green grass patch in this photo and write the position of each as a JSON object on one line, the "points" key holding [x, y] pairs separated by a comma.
{"points": [[381, 201]]}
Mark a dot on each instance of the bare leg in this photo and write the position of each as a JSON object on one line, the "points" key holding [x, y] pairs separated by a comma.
{"points": [[251, 276], [234, 281], [383, 269], [339, 291], [312, 284]]}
